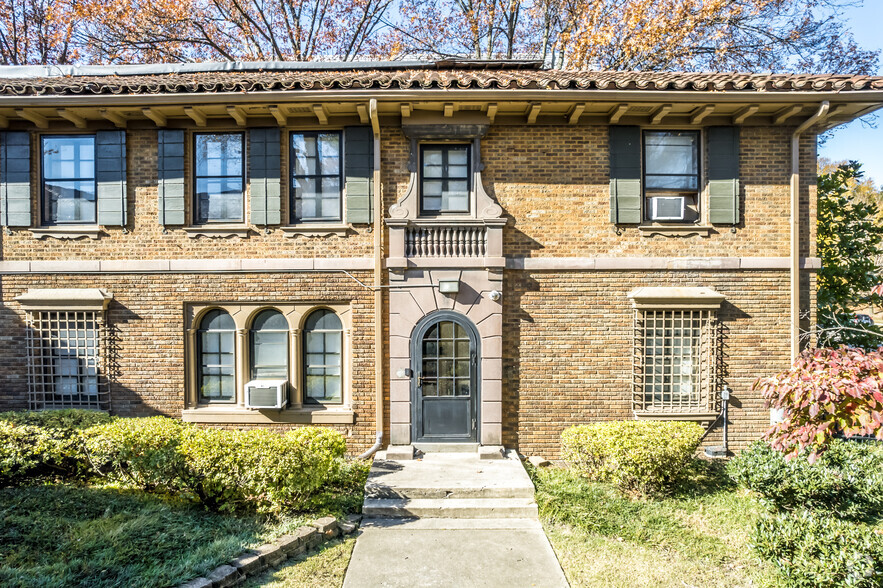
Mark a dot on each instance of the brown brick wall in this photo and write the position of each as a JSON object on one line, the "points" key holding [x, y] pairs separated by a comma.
{"points": [[568, 340], [146, 317]]}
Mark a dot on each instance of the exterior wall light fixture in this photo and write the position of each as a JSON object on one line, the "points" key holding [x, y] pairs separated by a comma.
{"points": [[449, 286]]}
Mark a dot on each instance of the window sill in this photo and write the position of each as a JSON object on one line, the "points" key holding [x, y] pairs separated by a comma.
{"points": [[675, 230], [238, 415], [316, 230], [218, 231], [675, 416], [67, 232]]}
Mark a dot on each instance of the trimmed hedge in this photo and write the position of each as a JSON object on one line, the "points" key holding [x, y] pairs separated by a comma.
{"points": [[814, 550], [643, 457], [226, 470], [44, 445], [847, 479]]}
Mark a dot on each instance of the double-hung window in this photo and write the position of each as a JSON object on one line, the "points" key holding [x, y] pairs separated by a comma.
{"points": [[219, 177], [445, 178], [68, 182], [671, 175], [316, 171]]}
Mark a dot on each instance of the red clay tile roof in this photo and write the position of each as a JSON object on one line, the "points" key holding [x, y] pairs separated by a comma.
{"points": [[413, 79]]}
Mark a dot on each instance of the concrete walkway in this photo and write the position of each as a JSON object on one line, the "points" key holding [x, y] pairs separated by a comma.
{"points": [[491, 543]]}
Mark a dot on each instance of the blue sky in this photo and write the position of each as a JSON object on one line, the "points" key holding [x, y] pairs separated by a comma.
{"points": [[858, 141]]}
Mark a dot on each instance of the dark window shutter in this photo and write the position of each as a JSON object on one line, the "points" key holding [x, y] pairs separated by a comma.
{"points": [[15, 179], [110, 173], [170, 176], [359, 172], [265, 169], [723, 175], [625, 175]]}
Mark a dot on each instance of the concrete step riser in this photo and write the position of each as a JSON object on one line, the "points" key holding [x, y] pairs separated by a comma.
{"points": [[480, 508], [405, 513], [439, 493]]}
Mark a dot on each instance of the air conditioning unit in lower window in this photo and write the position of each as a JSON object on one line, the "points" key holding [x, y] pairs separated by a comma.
{"points": [[266, 394], [667, 207]]}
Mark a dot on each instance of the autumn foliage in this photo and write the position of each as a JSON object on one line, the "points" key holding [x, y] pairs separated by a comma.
{"points": [[712, 35], [826, 392]]}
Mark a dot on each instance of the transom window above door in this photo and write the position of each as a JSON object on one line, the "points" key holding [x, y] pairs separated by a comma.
{"points": [[445, 178], [219, 177], [316, 170], [68, 169]]}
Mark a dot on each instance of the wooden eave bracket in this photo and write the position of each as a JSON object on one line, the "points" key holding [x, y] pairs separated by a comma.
{"points": [[617, 113], [533, 112], [576, 112], [71, 116], [660, 113], [116, 118], [780, 116], [492, 111], [281, 117], [158, 118], [196, 115], [38, 119], [237, 114], [363, 114], [701, 113], [321, 114], [741, 115]]}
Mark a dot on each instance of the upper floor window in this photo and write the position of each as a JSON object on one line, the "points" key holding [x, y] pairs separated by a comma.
{"points": [[316, 169], [444, 181], [269, 346], [220, 177], [217, 355], [68, 170], [671, 175]]}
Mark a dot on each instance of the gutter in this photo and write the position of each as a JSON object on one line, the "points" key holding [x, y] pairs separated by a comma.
{"points": [[378, 289], [873, 98], [819, 116]]}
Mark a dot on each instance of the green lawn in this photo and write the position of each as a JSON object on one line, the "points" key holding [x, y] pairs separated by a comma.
{"points": [[695, 537], [104, 536], [323, 569]]}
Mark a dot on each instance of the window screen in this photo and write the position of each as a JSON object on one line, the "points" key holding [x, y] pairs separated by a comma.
{"points": [[671, 161], [445, 178], [216, 342], [68, 169], [65, 360], [220, 177], [269, 346], [315, 177], [323, 341]]}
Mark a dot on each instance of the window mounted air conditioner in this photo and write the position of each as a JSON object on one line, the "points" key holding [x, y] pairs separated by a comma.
{"points": [[667, 207], [265, 394]]}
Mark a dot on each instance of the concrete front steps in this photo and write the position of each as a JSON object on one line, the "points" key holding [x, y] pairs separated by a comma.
{"points": [[449, 485]]}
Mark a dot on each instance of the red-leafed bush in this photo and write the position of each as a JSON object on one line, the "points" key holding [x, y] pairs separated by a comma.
{"points": [[826, 391]]}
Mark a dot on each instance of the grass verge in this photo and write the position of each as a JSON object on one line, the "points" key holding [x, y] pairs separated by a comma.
{"points": [[102, 537], [698, 536], [324, 568]]}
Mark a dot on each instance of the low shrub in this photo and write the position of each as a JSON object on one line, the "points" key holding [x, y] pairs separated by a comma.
{"points": [[846, 480], [44, 445], [260, 469], [644, 457], [141, 451], [820, 551]]}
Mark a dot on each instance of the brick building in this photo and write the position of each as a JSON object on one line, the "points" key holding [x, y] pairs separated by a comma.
{"points": [[439, 252]]}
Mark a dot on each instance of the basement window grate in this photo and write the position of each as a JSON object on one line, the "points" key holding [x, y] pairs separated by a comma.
{"points": [[66, 360], [677, 361]]}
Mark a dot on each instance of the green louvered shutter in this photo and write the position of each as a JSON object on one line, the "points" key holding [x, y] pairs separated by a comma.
{"points": [[265, 169], [15, 179], [170, 177], [625, 175], [359, 173], [110, 174], [723, 175]]}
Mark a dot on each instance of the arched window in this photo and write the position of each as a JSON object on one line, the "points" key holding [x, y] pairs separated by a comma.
{"points": [[217, 381], [269, 346], [323, 342]]}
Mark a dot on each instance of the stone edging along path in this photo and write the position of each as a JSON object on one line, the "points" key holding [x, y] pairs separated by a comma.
{"points": [[254, 561]]}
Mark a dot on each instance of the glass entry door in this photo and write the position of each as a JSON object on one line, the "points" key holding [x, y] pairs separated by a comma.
{"points": [[445, 365]]}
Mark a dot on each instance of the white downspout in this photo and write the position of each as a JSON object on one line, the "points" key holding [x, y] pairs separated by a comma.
{"points": [[378, 290], [820, 115]]}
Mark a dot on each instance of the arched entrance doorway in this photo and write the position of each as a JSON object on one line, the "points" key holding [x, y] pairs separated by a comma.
{"points": [[445, 391]]}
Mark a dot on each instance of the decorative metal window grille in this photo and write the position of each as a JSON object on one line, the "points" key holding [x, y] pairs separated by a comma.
{"points": [[66, 360], [677, 361]]}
